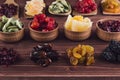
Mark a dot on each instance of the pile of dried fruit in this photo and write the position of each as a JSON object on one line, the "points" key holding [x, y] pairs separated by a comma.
{"points": [[43, 23], [44, 54], [10, 24], [85, 6], [78, 23], [112, 52], [81, 54], [8, 56], [8, 10], [34, 7], [110, 25], [112, 6], [59, 6]]}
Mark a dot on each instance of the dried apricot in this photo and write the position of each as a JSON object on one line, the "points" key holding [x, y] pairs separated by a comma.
{"points": [[90, 60], [83, 53], [73, 61], [82, 60], [76, 52], [89, 49]]}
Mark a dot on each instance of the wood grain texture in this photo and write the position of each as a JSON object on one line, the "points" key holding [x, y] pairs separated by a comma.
{"points": [[27, 70]]}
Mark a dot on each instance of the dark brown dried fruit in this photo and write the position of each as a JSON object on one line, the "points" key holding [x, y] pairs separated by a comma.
{"points": [[8, 10], [8, 56]]}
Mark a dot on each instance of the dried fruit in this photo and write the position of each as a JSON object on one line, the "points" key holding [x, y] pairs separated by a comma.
{"points": [[112, 6], [85, 6], [8, 10], [73, 61], [43, 54], [8, 56], [110, 25], [77, 23], [111, 53], [81, 54], [43, 23]]}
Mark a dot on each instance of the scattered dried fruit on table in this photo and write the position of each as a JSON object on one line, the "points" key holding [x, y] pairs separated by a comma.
{"points": [[34, 7], [111, 6], [81, 54], [10, 24], [43, 23], [59, 6], [112, 52], [110, 25], [85, 6], [78, 23], [8, 56], [43, 54], [8, 10]]}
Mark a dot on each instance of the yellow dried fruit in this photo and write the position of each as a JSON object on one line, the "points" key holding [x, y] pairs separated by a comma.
{"points": [[77, 52], [83, 53], [90, 60], [89, 49], [73, 61], [69, 52], [82, 60]]}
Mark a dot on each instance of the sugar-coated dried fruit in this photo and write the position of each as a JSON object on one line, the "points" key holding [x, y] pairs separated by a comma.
{"points": [[85, 6], [43, 54], [43, 23], [81, 54]]}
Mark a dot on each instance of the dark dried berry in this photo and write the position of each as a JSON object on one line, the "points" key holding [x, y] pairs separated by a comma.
{"points": [[8, 56], [43, 54], [8, 10], [111, 53], [110, 25]]}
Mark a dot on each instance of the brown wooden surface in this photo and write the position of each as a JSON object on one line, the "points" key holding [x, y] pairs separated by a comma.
{"points": [[26, 69]]}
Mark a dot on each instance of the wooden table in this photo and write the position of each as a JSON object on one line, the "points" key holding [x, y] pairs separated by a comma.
{"points": [[27, 70]]}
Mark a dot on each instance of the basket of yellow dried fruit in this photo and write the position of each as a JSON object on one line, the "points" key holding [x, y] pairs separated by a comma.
{"points": [[77, 28], [83, 54]]}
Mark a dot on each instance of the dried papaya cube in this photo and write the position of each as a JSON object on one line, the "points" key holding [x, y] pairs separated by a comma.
{"points": [[90, 60], [73, 61], [82, 60], [83, 52], [69, 52]]}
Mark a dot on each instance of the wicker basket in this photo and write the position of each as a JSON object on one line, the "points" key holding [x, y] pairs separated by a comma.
{"points": [[77, 36], [12, 36], [107, 36], [43, 36]]}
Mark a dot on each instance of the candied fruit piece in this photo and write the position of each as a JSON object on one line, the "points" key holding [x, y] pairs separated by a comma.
{"points": [[69, 52], [83, 50], [73, 61]]}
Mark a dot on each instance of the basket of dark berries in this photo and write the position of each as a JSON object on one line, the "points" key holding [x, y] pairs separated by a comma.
{"points": [[108, 29], [43, 28]]}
